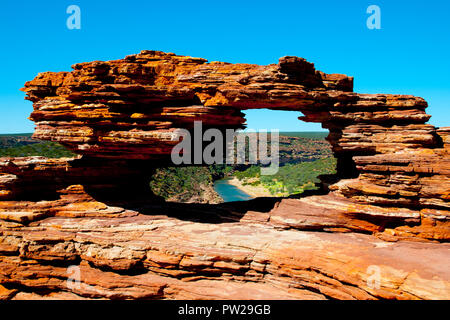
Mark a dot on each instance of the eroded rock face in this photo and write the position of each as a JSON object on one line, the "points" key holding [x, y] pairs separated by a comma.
{"points": [[175, 253], [385, 210]]}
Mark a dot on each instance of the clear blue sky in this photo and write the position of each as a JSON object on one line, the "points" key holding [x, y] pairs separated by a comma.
{"points": [[409, 55]]}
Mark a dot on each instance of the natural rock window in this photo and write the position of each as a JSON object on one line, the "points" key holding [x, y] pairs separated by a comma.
{"points": [[392, 185]]}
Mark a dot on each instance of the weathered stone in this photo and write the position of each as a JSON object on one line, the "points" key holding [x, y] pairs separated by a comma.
{"points": [[387, 208]]}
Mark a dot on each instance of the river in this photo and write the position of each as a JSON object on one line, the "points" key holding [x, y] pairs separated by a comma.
{"points": [[229, 192]]}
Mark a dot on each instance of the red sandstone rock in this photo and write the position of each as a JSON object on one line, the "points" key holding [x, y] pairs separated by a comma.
{"points": [[387, 207], [130, 108], [157, 256]]}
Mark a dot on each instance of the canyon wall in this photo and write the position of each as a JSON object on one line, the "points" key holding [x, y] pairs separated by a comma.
{"points": [[386, 209]]}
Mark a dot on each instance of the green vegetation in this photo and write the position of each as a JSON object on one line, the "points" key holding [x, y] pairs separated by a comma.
{"points": [[181, 183], [23, 145], [291, 178], [45, 149], [184, 184]]}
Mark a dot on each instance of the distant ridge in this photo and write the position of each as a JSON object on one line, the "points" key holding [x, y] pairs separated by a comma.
{"points": [[304, 134], [16, 134]]}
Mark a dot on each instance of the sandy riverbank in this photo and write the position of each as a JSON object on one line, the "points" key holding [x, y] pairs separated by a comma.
{"points": [[254, 191]]}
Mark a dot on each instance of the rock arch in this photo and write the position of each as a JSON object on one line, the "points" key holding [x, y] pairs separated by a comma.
{"points": [[129, 109], [392, 178]]}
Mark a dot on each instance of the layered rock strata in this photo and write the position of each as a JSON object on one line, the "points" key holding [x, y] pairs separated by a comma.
{"points": [[208, 252], [386, 209], [39, 178]]}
